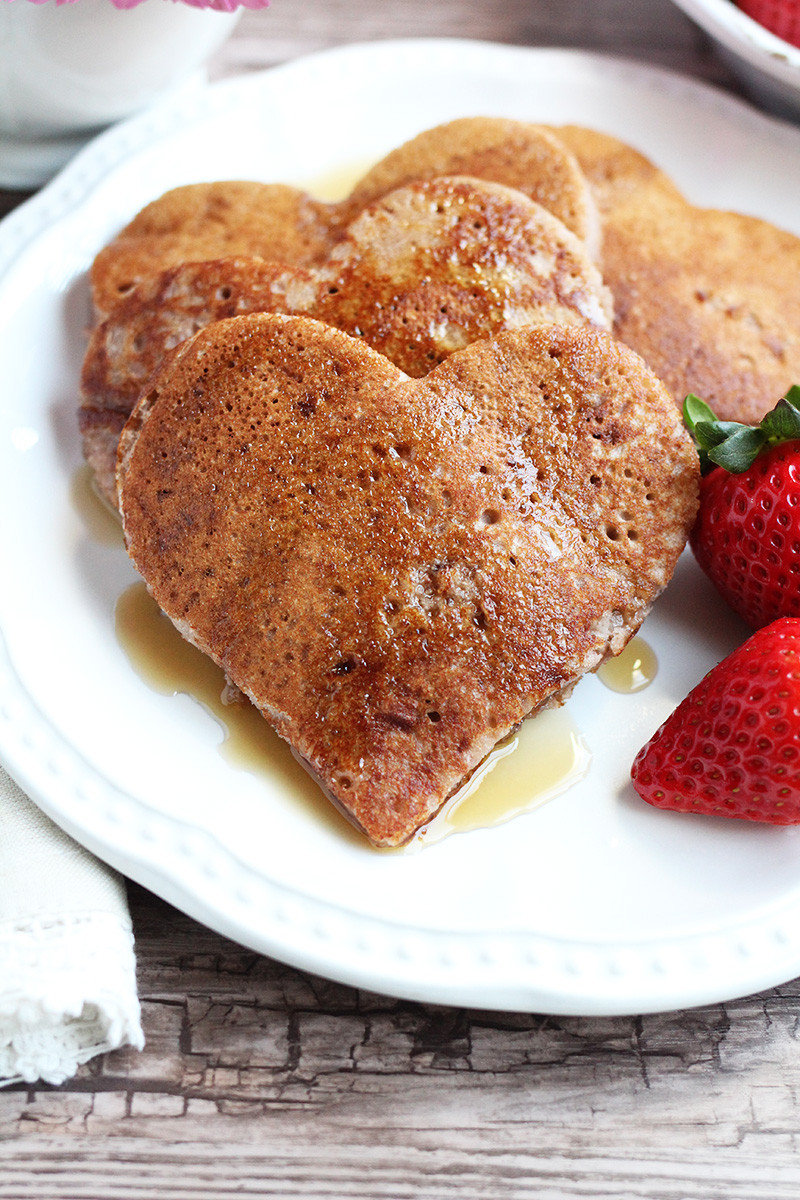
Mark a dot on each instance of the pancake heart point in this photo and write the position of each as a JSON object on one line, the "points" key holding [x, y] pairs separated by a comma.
{"points": [[398, 571]]}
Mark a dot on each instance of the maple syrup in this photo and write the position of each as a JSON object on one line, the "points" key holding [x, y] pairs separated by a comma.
{"points": [[101, 520], [632, 670], [172, 666], [539, 761], [338, 184]]}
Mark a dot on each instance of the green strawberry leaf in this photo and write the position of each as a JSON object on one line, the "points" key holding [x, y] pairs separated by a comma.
{"points": [[709, 434], [735, 446], [738, 451], [783, 423], [695, 410], [793, 396]]}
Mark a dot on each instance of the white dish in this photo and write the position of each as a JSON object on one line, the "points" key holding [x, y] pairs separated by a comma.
{"points": [[68, 71], [768, 66], [593, 904]]}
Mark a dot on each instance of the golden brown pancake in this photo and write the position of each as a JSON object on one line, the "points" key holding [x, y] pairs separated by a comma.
{"points": [[708, 298], [157, 315], [618, 174], [519, 154], [211, 220], [398, 571], [274, 221], [418, 274]]}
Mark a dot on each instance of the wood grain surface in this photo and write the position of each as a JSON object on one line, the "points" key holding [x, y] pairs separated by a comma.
{"points": [[260, 1080]]}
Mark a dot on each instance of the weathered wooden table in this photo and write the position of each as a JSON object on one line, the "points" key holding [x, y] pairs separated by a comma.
{"points": [[260, 1080]]}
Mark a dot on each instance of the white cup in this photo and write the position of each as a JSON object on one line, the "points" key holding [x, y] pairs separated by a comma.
{"points": [[69, 70]]}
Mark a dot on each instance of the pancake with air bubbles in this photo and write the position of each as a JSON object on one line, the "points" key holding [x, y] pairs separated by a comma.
{"points": [[530, 158], [398, 571], [419, 273], [278, 222], [708, 297], [211, 220]]}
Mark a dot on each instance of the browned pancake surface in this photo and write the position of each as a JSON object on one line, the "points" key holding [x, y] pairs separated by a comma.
{"points": [[618, 174], [398, 571], [422, 272], [214, 220], [708, 298], [211, 220], [521, 155]]}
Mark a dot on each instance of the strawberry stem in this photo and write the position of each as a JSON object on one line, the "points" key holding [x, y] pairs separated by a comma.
{"points": [[735, 446]]}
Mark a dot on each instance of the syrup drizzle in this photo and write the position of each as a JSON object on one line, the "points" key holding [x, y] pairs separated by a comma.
{"points": [[632, 670], [171, 666], [102, 521], [540, 761]]}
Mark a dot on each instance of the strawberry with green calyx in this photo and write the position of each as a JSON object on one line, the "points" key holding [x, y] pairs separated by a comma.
{"points": [[747, 534], [732, 747]]}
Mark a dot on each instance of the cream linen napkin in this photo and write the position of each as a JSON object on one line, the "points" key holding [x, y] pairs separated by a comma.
{"points": [[67, 966]]}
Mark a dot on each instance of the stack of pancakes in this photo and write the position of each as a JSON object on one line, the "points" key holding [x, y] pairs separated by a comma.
{"points": [[408, 465]]}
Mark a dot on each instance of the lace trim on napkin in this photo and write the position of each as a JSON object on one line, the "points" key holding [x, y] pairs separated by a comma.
{"points": [[67, 993]]}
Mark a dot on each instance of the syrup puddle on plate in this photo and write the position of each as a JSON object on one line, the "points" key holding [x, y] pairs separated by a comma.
{"points": [[632, 670], [171, 666], [338, 184], [540, 761], [102, 521]]}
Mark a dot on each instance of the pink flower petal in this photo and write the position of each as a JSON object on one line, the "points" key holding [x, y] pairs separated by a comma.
{"points": [[226, 6]]}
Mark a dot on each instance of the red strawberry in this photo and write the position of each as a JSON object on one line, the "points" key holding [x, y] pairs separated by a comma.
{"points": [[732, 747], [747, 534], [781, 17]]}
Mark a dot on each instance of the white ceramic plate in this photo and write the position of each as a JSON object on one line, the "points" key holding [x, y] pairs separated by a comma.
{"points": [[593, 904], [767, 65]]}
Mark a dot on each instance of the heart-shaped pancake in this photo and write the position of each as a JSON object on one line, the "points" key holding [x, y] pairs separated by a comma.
{"points": [[709, 298], [398, 571], [274, 221], [530, 158], [422, 272], [210, 220]]}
